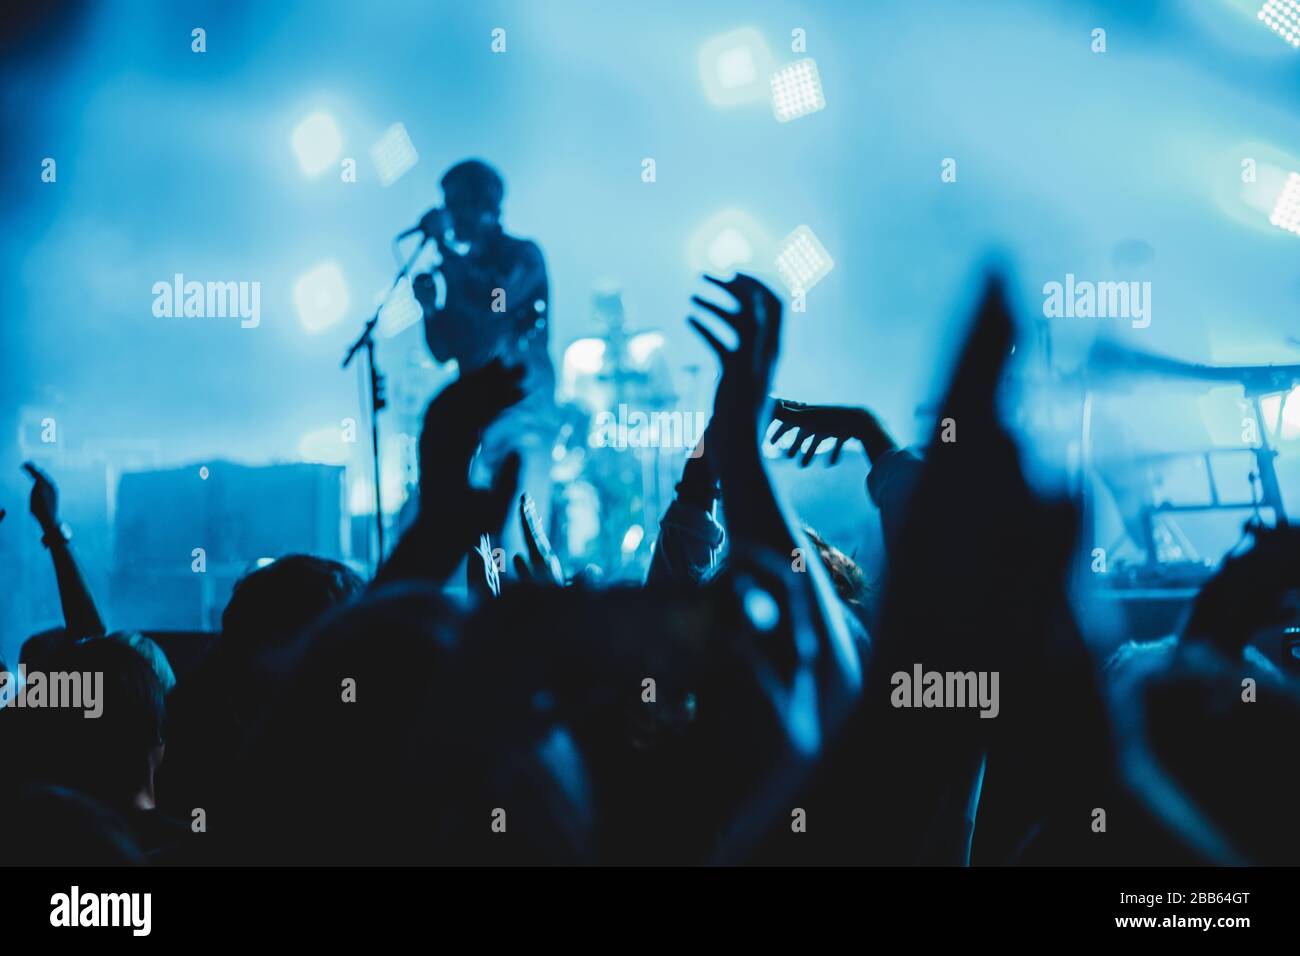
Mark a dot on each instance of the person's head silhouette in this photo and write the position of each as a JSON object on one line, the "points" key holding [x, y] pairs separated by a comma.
{"points": [[472, 191]]}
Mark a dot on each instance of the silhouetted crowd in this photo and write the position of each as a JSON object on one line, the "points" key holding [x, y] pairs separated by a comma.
{"points": [[757, 700]]}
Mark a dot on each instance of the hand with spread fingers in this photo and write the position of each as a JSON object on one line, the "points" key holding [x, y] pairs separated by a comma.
{"points": [[747, 369], [815, 424]]}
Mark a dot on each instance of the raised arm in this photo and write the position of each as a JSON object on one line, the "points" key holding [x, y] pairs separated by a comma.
{"points": [[894, 470], [822, 422], [756, 518], [80, 616], [689, 546], [453, 515]]}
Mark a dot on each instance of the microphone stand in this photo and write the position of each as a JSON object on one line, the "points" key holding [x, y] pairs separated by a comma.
{"points": [[377, 401]]}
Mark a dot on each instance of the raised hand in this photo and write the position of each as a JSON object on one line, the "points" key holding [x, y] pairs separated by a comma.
{"points": [[453, 513], [454, 424], [80, 616], [821, 422], [45, 498], [453, 428], [816, 422], [739, 406], [542, 566], [747, 369], [756, 518]]}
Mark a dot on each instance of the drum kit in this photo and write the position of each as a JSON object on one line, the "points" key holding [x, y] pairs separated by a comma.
{"points": [[608, 497]]}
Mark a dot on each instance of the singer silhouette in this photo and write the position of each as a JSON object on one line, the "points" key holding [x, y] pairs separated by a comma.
{"points": [[495, 305], [496, 299]]}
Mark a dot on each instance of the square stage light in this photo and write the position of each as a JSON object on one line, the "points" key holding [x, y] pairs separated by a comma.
{"points": [[803, 261], [734, 67], [317, 143], [1283, 18], [797, 90], [1286, 211], [321, 297], [394, 154]]}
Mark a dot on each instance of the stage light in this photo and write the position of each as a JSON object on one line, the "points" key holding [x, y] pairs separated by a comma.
{"points": [[803, 261], [321, 297], [797, 90], [394, 154], [1283, 18], [1286, 211], [317, 143], [399, 310], [727, 240], [734, 67]]}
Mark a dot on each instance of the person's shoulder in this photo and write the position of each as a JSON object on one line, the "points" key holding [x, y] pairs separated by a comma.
{"points": [[523, 248]]}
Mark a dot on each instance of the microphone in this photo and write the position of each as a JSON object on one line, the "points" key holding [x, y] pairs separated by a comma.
{"points": [[433, 224]]}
